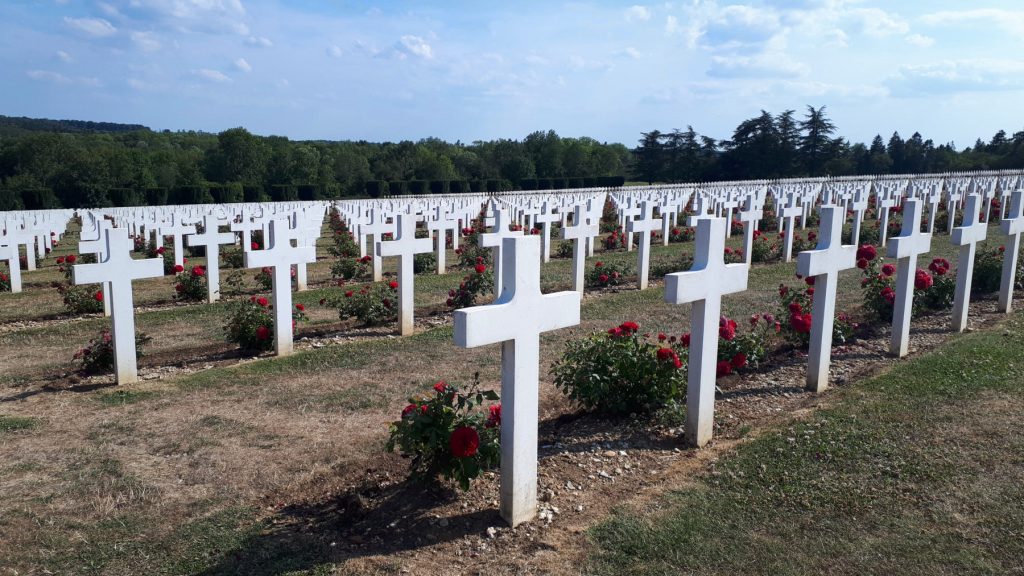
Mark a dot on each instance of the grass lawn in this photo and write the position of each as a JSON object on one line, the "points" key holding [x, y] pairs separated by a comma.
{"points": [[918, 471]]}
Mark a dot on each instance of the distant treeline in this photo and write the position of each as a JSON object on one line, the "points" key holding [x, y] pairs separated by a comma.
{"points": [[41, 169], [55, 163], [784, 146]]}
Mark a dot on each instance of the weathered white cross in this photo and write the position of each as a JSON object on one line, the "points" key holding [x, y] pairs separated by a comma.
{"points": [[95, 242], [176, 230], [406, 246], [906, 247], [376, 228], [971, 231], [1012, 226], [516, 320], [244, 228], [279, 254], [644, 224], [545, 217], [626, 214], [789, 214], [750, 215], [211, 239], [439, 224], [9, 252], [579, 232], [494, 240], [117, 270], [704, 284], [824, 264]]}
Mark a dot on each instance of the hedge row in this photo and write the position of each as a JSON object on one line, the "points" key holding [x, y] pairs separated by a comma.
{"points": [[378, 188]]}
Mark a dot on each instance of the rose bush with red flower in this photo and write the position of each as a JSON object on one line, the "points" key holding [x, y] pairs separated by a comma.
{"points": [[191, 285], [251, 323], [796, 308], [78, 298], [446, 434], [372, 304], [473, 286], [97, 357], [606, 274]]}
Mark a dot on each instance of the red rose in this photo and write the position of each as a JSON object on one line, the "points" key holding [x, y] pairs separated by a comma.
{"points": [[440, 387], [179, 268], [795, 308], [255, 246], [179, 287], [393, 285], [739, 360], [665, 354], [923, 280], [98, 296], [464, 442], [888, 294], [726, 330], [603, 278], [348, 294], [262, 333], [480, 268], [494, 416], [60, 260], [629, 326], [862, 263], [867, 252], [888, 270], [598, 264], [198, 271], [161, 250], [662, 337], [71, 259], [262, 301], [685, 339], [723, 368], [300, 307], [810, 280]]}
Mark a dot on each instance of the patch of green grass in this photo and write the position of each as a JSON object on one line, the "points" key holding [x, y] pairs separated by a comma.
{"points": [[914, 472], [125, 397], [10, 424]]}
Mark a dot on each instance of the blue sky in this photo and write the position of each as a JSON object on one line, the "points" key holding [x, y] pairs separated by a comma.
{"points": [[465, 70]]}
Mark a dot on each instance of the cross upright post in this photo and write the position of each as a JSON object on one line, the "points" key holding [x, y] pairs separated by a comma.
{"points": [[117, 270], [439, 225], [668, 212], [244, 228], [9, 252], [177, 230], [644, 225], [211, 239], [627, 213], [824, 264], [704, 284], [789, 214], [971, 231], [545, 217], [859, 205], [494, 240], [905, 248], [280, 255], [376, 228], [750, 215], [516, 320], [578, 233], [406, 246], [1012, 226]]}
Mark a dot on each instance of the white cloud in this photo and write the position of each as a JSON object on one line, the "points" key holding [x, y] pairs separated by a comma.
{"points": [[243, 65], [141, 85], [1008, 20], [64, 56], [739, 27], [283, 83], [211, 75], [109, 10], [671, 25], [920, 40], [956, 76], [47, 76], [90, 81], [581, 63], [95, 27], [259, 41], [879, 23], [767, 65], [637, 13], [210, 16], [146, 41], [335, 51], [413, 46], [629, 52]]}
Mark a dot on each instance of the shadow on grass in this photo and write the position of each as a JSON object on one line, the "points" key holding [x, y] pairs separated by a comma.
{"points": [[370, 520]]}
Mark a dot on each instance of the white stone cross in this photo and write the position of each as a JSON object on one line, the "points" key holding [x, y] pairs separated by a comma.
{"points": [[406, 246], [887, 198], [789, 214], [376, 228], [176, 230], [644, 224], [704, 284], [439, 225], [9, 252], [751, 214], [905, 248], [971, 231], [211, 239], [117, 270], [494, 240], [858, 205], [16, 236], [578, 233], [824, 263], [279, 254], [545, 217], [668, 212], [626, 215], [1012, 226], [244, 228], [516, 320]]}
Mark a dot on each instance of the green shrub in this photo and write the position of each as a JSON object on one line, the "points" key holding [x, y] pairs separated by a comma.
{"points": [[372, 304], [97, 357]]}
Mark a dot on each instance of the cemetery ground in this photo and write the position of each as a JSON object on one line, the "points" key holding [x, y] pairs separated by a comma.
{"points": [[215, 463]]}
